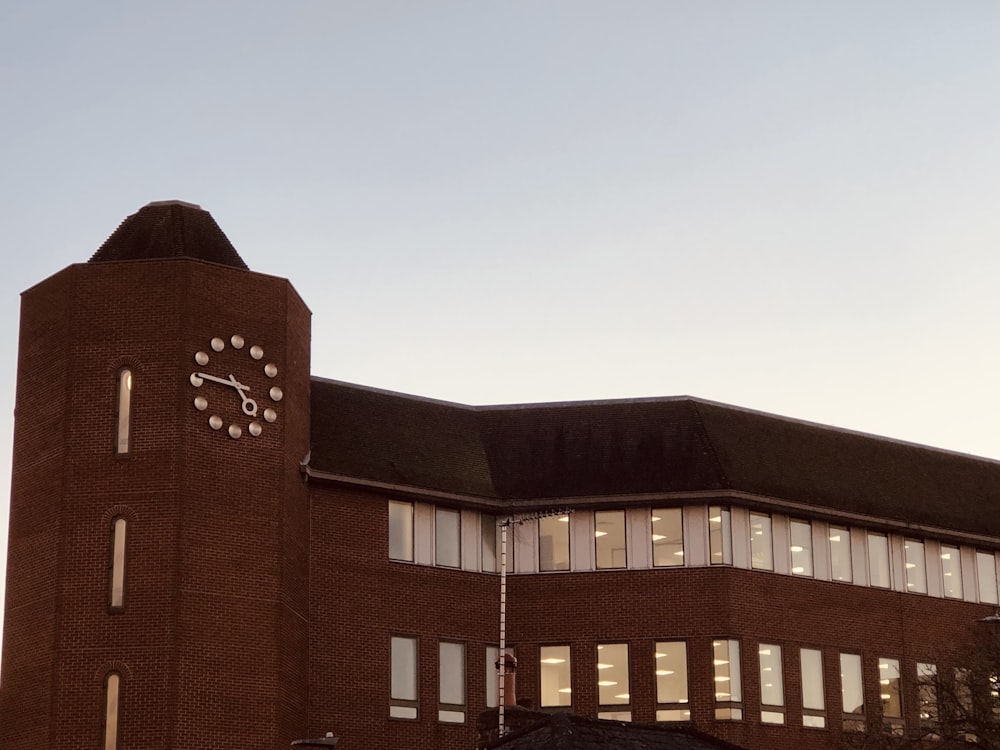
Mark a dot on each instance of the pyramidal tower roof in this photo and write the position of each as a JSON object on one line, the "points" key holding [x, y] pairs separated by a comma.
{"points": [[170, 229]]}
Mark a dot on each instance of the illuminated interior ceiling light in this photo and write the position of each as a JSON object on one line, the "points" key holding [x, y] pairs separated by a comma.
{"points": [[764, 652], [945, 555], [658, 537], [606, 683], [659, 655], [885, 696], [883, 665], [721, 696], [654, 519], [600, 533], [565, 690], [715, 519], [623, 696], [720, 662], [796, 548], [798, 569], [564, 519], [664, 672], [722, 678], [604, 666], [911, 565], [835, 537], [552, 660], [884, 682]]}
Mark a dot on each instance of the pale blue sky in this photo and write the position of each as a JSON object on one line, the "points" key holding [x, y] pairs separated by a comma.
{"points": [[792, 206]]}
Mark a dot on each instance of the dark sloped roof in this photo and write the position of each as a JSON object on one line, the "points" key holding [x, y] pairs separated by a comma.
{"points": [[569, 732], [646, 446], [170, 229]]}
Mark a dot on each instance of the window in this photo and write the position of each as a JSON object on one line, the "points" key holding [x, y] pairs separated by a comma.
{"points": [[852, 694], [403, 690], [553, 543], [840, 554], [801, 548], [613, 695], [670, 660], [951, 568], [124, 412], [118, 529], [720, 536], [927, 699], [451, 682], [813, 702], [447, 538], [772, 684], [761, 555], [878, 560], [986, 572], [554, 670], [889, 693], [728, 682], [916, 566], [609, 538], [400, 531], [668, 537], [112, 704], [488, 531]]}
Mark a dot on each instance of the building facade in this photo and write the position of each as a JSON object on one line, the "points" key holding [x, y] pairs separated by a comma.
{"points": [[212, 548]]}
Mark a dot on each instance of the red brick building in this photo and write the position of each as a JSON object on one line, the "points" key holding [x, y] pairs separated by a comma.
{"points": [[212, 548]]}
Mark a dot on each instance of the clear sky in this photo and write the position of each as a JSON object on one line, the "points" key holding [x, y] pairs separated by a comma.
{"points": [[787, 205]]}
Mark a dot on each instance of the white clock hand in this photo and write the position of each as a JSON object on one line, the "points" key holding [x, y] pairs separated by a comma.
{"points": [[231, 382]]}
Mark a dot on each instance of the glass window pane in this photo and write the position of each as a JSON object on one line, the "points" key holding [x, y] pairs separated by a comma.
{"points": [[840, 554], [609, 538], [772, 686], [851, 687], [878, 560], [668, 537], [124, 410], [118, 562], [671, 673], [951, 568], [488, 531], [111, 710], [404, 669], [927, 693], [720, 536], [916, 566], [888, 676], [492, 676], [761, 555], [728, 681], [448, 538], [555, 676], [553, 543], [400, 530], [801, 548], [986, 571], [451, 666], [812, 679], [612, 674]]}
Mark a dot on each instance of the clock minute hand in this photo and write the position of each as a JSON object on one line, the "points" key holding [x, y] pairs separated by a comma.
{"points": [[232, 382]]}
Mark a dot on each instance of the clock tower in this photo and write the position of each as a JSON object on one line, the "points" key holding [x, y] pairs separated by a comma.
{"points": [[158, 562]]}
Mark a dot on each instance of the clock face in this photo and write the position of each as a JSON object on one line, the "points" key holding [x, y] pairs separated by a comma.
{"points": [[236, 387]]}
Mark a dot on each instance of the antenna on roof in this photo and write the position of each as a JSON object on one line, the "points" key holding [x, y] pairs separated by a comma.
{"points": [[502, 651]]}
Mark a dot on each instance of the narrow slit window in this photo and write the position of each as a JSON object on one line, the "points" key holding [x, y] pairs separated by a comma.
{"points": [[119, 528], [112, 702], [122, 443]]}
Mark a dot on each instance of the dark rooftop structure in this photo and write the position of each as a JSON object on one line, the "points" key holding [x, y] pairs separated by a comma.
{"points": [[643, 447], [563, 731], [170, 229]]}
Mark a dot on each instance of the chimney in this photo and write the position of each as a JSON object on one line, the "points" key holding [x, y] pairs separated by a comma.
{"points": [[508, 680]]}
